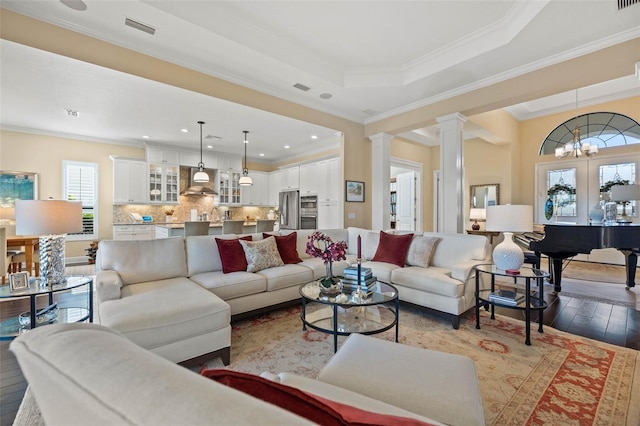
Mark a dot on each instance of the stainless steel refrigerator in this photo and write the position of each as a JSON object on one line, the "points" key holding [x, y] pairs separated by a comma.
{"points": [[289, 210]]}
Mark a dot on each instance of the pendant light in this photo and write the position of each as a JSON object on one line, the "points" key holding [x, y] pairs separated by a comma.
{"points": [[245, 180], [201, 175]]}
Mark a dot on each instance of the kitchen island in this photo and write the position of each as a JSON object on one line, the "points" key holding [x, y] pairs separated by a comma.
{"points": [[166, 230]]}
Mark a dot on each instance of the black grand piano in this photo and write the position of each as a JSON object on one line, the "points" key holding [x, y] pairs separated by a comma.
{"points": [[560, 242]]}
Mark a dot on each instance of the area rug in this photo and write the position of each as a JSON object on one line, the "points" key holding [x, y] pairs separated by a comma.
{"points": [[561, 379]]}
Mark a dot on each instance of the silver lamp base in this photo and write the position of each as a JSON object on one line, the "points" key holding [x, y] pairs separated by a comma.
{"points": [[52, 269]]}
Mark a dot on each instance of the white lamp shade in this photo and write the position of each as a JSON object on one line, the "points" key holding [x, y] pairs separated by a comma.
{"points": [[201, 176], [44, 217], [477, 214], [245, 181], [625, 192], [510, 218]]}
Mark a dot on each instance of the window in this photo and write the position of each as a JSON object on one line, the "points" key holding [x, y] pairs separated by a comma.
{"points": [[618, 174], [561, 190], [80, 183]]}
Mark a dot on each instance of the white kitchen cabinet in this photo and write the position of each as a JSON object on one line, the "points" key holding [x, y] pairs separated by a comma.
{"points": [[275, 186], [163, 183], [290, 178], [129, 181], [329, 183], [228, 188], [258, 193], [310, 180], [134, 232], [164, 156], [229, 163], [192, 159], [329, 215]]}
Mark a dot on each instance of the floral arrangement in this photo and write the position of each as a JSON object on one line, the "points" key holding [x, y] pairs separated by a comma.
{"points": [[331, 250], [561, 187]]}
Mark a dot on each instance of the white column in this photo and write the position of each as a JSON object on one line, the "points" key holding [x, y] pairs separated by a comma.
{"points": [[380, 180], [451, 202]]}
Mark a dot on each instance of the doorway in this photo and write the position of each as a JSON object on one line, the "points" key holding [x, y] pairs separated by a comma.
{"points": [[406, 195]]}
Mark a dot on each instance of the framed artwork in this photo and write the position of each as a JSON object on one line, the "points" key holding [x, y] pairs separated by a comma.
{"points": [[19, 281], [17, 186], [354, 191]]}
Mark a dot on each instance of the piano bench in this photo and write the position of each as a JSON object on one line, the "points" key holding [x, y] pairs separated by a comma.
{"points": [[531, 258]]}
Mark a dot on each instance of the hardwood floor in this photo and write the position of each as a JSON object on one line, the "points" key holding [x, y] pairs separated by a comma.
{"points": [[607, 322]]}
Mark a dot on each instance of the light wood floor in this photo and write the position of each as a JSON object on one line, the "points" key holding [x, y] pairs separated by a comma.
{"points": [[613, 320]]}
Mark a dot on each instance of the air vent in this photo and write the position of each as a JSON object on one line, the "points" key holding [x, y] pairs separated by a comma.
{"points": [[212, 137], [626, 3], [302, 87], [140, 26], [370, 111]]}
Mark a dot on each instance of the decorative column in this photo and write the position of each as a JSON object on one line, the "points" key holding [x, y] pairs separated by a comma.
{"points": [[380, 180], [451, 197]]}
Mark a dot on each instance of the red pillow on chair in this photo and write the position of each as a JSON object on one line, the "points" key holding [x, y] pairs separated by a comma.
{"points": [[287, 247], [232, 254], [314, 408], [393, 248]]}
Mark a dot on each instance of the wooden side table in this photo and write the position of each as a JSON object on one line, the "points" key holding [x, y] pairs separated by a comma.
{"points": [[488, 234]]}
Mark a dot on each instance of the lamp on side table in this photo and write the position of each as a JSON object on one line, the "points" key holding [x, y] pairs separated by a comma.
{"points": [[509, 219], [51, 219]]}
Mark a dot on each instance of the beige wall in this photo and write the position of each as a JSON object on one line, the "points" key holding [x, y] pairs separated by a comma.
{"points": [[44, 155]]}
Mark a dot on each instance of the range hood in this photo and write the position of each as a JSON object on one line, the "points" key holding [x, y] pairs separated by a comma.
{"points": [[196, 188]]}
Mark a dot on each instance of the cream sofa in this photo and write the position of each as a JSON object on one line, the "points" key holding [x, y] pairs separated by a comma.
{"points": [[90, 374], [171, 296]]}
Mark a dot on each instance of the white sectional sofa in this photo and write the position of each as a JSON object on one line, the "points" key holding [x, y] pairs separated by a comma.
{"points": [[83, 374], [172, 297]]}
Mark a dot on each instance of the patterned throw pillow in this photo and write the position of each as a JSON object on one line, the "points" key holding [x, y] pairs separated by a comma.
{"points": [[261, 254], [421, 251]]}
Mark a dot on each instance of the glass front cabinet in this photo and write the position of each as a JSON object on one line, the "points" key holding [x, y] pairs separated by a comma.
{"points": [[228, 188], [164, 183]]}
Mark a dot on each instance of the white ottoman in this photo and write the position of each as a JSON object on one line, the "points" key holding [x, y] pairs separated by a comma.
{"points": [[433, 384]]}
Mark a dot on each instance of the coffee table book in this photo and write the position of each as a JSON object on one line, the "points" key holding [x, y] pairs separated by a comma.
{"points": [[507, 297]]}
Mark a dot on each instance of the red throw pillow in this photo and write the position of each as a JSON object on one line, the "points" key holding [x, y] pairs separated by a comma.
{"points": [[287, 247], [232, 254], [393, 248], [314, 408]]}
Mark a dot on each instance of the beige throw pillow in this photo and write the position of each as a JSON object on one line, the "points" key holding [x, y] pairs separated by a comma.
{"points": [[261, 254], [370, 245], [421, 251]]}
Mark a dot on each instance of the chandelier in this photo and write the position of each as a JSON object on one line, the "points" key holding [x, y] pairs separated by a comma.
{"points": [[245, 180], [576, 148]]}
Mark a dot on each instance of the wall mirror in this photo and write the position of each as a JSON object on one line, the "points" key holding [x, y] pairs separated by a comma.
{"points": [[483, 196]]}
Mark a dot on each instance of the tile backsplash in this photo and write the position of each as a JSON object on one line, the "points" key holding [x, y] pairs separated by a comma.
{"points": [[182, 211]]}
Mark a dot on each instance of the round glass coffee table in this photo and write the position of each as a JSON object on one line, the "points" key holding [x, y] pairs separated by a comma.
{"points": [[343, 314]]}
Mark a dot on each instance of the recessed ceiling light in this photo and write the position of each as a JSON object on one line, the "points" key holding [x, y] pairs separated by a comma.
{"points": [[209, 146], [326, 96], [314, 136], [78, 5], [287, 147], [145, 137], [261, 155], [184, 130]]}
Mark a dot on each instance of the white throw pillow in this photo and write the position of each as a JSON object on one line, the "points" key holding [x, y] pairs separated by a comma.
{"points": [[371, 245], [421, 251], [261, 254]]}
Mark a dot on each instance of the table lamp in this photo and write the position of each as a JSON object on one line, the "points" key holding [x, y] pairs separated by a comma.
{"points": [[51, 220], [7, 215], [624, 194], [476, 214], [509, 219]]}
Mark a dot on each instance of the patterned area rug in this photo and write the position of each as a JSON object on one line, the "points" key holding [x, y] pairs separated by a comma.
{"points": [[560, 379]]}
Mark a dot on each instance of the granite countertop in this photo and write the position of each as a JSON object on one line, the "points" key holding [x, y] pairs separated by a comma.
{"points": [[180, 225]]}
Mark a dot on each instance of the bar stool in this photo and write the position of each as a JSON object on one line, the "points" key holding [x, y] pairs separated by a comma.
{"points": [[265, 225], [196, 228], [232, 226]]}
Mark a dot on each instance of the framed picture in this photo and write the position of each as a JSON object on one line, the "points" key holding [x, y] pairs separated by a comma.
{"points": [[354, 191], [17, 186], [19, 281]]}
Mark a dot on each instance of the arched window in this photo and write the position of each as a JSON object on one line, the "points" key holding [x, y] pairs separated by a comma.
{"points": [[604, 129]]}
